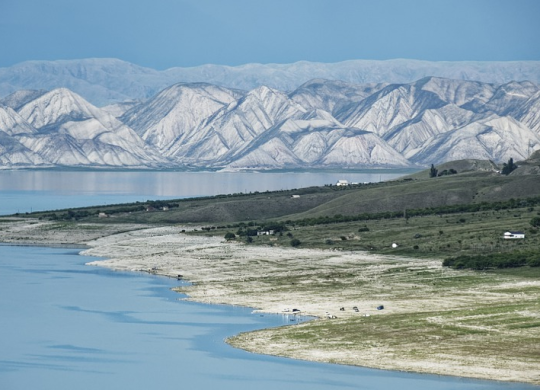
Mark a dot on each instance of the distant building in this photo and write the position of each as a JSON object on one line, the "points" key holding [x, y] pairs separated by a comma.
{"points": [[265, 233], [513, 235], [342, 183], [295, 196]]}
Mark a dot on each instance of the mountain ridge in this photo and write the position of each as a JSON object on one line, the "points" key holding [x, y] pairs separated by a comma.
{"points": [[322, 124], [103, 81]]}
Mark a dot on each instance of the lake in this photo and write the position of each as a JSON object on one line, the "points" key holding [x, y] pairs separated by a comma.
{"points": [[23, 191], [70, 326]]}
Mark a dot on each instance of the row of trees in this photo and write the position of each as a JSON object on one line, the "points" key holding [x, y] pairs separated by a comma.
{"points": [[508, 167], [497, 260], [451, 209]]}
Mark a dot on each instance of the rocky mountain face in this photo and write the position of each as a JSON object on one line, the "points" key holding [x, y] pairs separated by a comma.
{"points": [[320, 124]]}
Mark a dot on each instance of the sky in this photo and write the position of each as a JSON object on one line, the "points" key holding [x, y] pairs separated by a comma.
{"points": [[167, 33]]}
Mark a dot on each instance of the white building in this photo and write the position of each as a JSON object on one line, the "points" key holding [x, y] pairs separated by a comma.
{"points": [[512, 235], [342, 183]]}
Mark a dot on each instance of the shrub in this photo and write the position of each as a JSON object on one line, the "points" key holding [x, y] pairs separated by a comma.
{"points": [[230, 236], [535, 222], [295, 242]]}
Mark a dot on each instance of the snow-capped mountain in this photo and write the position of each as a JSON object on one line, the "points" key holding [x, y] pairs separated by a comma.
{"points": [[321, 124], [168, 119], [64, 129], [103, 81]]}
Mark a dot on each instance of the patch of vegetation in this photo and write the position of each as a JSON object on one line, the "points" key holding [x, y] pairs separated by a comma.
{"points": [[496, 260]]}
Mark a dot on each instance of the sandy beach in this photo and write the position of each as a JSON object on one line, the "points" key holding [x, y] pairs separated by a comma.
{"points": [[327, 284]]}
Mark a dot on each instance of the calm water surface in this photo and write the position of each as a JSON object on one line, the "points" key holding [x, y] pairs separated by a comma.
{"points": [[65, 325], [24, 191]]}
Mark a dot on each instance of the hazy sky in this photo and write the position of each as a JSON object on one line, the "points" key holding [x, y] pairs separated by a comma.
{"points": [[167, 33]]}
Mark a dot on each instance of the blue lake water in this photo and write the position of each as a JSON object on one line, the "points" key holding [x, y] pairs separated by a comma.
{"points": [[24, 191], [65, 325]]}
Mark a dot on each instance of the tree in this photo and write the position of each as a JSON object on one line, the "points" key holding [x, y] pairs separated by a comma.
{"points": [[433, 171], [535, 222], [295, 242], [509, 167], [230, 236]]}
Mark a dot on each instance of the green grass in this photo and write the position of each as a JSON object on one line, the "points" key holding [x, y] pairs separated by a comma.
{"points": [[433, 236]]}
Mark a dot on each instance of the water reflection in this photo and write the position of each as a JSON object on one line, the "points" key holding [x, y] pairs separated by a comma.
{"points": [[27, 191]]}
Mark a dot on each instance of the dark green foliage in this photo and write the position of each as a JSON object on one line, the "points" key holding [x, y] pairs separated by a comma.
{"points": [[277, 227], [363, 229], [447, 172], [295, 242], [433, 171], [496, 260], [230, 236], [251, 232], [535, 222], [451, 209], [508, 167]]}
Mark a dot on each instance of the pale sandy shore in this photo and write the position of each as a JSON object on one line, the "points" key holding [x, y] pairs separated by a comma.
{"points": [[276, 280]]}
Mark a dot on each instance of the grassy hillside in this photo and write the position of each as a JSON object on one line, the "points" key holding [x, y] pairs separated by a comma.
{"points": [[477, 182]]}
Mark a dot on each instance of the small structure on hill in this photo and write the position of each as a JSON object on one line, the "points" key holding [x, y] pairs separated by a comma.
{"points": [[513, 235], [266, 232], [342, 183]]}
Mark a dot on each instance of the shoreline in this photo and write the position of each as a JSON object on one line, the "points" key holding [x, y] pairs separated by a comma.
{"points": [[273, 279]]}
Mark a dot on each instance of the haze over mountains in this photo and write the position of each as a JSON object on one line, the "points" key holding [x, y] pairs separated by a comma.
{"points": [[103, 81], [320, 124]]}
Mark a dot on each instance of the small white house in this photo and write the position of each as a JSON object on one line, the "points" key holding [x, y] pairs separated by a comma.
{"points": [[342, 183], [513, 235], [265, 232]]}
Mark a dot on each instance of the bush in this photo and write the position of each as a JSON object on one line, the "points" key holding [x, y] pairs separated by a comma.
{"points": [[230, 236], [295, 242], [535, 222]]}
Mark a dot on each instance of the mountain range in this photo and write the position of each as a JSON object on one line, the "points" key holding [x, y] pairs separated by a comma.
{"points": [[103, 81], [321, 124]]}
